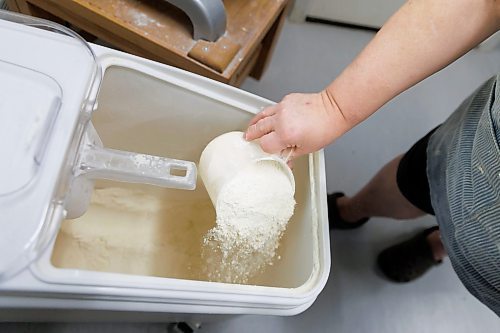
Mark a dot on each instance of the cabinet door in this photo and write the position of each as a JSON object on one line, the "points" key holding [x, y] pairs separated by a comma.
{"points": [[369, 13]]}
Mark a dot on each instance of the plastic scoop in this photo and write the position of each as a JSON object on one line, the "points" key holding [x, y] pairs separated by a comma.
{"points": [[227, 155], [95, 162]]}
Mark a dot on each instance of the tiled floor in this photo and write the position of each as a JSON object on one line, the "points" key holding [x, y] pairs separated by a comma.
{"points": [[355, 298]]}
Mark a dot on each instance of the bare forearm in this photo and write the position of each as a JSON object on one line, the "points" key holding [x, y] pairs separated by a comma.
{"points": [[420, 39]]}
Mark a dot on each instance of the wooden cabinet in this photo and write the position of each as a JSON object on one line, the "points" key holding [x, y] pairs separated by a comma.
{"points": [[159, 31]]}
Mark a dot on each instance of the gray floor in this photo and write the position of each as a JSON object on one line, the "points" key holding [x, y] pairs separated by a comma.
{"points": [[355, 298]]}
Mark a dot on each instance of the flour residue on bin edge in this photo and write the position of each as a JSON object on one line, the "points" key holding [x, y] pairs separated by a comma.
{"points": [[253, 210]]}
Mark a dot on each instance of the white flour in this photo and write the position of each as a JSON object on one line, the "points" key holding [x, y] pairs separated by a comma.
{"points": [[253, 210], [152, 232]]}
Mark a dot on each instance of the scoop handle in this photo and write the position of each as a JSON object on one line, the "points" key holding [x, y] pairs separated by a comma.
{"points": [[97, 162], [102, 163]]}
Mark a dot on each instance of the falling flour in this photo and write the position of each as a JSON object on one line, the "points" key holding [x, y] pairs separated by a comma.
{"points": [[253, 210]]}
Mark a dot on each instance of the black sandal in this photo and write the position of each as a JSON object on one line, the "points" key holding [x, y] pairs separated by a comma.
{"points": [[406, 261], [335, 221]]}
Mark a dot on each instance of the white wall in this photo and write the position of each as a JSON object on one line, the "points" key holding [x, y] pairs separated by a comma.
{"points": [[361, 12]]}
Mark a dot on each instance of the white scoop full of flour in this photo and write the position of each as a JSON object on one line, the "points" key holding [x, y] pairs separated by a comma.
{"points": [[253, 210]]}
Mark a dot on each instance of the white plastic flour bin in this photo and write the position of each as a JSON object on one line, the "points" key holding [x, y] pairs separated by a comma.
{"points": [[140, 106]]}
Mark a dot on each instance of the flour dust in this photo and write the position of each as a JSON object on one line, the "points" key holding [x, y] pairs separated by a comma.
{"points": [[253, 210]]}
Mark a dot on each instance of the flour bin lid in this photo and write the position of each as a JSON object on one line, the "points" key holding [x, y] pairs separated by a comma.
{"points": [[48, 80]]}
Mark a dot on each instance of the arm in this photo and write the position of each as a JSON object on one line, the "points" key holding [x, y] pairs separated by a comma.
{"points": [[421, 38]]}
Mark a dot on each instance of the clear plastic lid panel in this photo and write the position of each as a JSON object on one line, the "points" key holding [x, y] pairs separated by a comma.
{"points": [[25, 123], [49, 78]]}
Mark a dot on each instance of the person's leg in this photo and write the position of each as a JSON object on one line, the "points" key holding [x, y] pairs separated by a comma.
{"points": [[380, 197], [434, 240], [400, 190]]}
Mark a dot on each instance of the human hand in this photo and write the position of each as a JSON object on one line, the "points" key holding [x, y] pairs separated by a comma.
{"points": [[304, 122]]}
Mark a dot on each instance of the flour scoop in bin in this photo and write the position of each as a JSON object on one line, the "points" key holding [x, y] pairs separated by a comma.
{"points": [[96, 162]]}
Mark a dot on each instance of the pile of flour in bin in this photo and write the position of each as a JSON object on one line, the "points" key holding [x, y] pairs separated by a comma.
{"points": [[253, 210]]}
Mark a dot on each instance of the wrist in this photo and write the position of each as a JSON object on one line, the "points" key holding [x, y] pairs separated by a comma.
{"points": [[339, 122]]}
